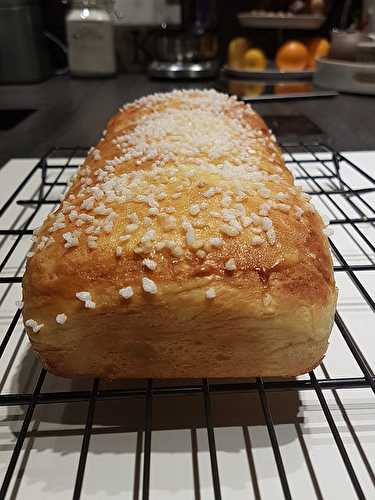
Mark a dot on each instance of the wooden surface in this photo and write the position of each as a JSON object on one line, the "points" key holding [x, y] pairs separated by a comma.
{"points": [[73, 112]]}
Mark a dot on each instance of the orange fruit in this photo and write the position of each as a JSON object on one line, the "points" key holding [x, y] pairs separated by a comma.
{"points": [[236, 51], [292, 56], [254, 59], [317, 47]]}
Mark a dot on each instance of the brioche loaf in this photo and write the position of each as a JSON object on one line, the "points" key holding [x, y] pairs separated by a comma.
{"points": [[182, 248]]}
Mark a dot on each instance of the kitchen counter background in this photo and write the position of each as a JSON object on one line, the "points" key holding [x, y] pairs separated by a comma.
{"points": [[73, 112]]}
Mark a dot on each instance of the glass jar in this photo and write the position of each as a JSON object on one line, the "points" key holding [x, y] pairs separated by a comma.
{"points": [[90, 35]]}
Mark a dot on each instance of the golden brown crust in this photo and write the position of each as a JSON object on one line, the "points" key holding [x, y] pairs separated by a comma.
{"points": [[271, 316]]}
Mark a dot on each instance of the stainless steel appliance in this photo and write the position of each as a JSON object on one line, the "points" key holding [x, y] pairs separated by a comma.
{"points": [[189, 50], [24, 56]]}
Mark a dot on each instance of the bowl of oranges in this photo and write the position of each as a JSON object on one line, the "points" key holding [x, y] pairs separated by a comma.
{"points": [[294, 59]]}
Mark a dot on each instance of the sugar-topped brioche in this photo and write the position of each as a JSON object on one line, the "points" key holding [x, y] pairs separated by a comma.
{"points": [[182, 248]]}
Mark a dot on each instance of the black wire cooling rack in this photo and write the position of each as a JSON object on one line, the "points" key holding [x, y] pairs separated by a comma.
{"points": [[323, 174]]}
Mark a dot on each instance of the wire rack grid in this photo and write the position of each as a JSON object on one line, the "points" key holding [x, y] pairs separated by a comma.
{"points": [[324, 174]]}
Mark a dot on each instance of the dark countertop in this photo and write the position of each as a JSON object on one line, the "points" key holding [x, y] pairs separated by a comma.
{"points": [[73, 112]]}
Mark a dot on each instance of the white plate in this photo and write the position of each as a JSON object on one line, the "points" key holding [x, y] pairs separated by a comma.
{"points": [[345, 76]]}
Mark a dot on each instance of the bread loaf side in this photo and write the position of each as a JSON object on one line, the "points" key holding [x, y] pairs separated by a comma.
{"points": [[182, 248]]}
